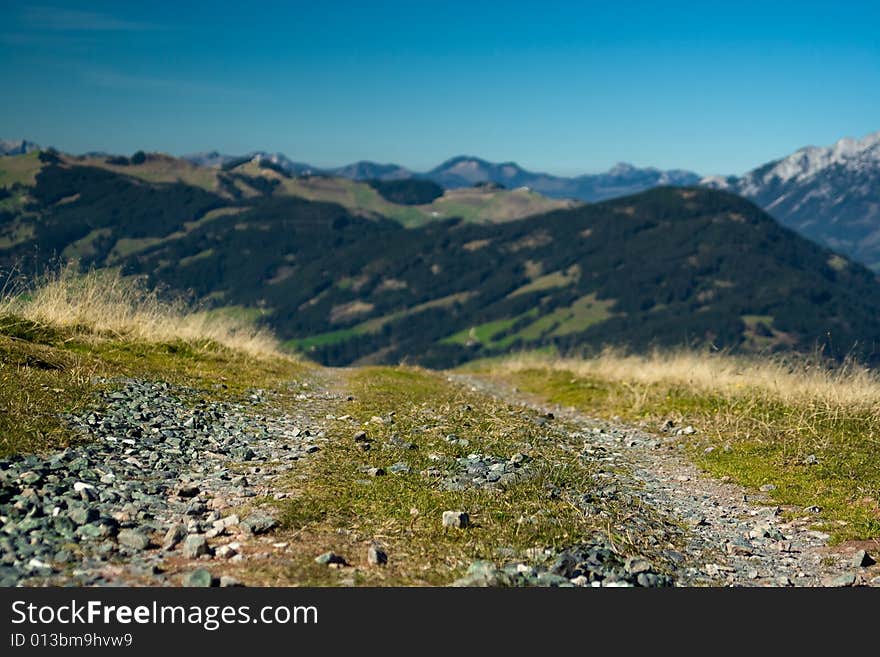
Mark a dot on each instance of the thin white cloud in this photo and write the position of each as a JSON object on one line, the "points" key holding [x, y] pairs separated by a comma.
{"points": [[116, 80], [72, 20]]}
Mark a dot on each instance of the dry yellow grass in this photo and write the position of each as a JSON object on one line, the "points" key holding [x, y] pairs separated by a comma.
{"points": [[785, 380], [105, 303]]}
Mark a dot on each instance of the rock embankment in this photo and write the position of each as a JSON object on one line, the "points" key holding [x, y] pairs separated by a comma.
{"points": [[157, 477]]}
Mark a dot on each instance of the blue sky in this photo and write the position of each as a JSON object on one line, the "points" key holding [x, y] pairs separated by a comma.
{"points": [[564, 87]]}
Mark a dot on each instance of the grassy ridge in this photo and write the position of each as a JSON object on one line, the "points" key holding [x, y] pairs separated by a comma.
{"points": [[810, 432], [61, 339]]}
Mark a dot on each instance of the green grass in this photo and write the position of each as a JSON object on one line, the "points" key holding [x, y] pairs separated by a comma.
{"points": [[483, 333], [201, 255], [16, 233], [754, 439], [370, 326], [549, 281], [85, 246], [331, 337], [163, 169], [576, 318], [20, 169], [126, 247]]}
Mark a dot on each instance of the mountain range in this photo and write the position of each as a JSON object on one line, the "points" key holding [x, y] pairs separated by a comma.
{"points": [[363, 279], [466, 171], [829, 194]]}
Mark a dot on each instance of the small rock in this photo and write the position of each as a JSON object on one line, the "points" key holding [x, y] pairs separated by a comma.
{"points": [[376, 556], [195, 546], [636, 565], [174, 535], [83, 515], [134, 539], [862, 559], [225, 552], [361, 437], [458, 519], [227, 581], [844, 579], [740, 548], [330, 558], [766, 488], [187, 490], [376, 472], [258, 523], [200, 577], [400, 468]]}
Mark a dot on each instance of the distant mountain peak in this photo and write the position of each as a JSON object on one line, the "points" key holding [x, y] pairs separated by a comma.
{"points": [[621, 168], [812, 160]]}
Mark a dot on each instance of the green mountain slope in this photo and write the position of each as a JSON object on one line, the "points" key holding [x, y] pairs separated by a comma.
{"points": [[665, 267]]}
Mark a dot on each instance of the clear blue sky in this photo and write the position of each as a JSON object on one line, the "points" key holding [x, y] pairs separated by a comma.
{"points": [[564, 87]]}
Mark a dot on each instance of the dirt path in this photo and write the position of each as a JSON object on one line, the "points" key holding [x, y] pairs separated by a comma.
{"points": [[736, 535], [192, 509]]}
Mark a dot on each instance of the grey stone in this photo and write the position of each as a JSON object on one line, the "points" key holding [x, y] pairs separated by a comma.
{"points": [[258, 523], [400, 468], [200, 577], [636, 565], [187, 490], [844, 579], [458, 519], [82, 515], [195, 546], [175, 534], [551, 579], [376, 556], [862, 559], [134, 539], [329, 558]]}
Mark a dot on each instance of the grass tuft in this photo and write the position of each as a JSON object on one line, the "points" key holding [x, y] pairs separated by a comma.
{"points": [[103, 303]]}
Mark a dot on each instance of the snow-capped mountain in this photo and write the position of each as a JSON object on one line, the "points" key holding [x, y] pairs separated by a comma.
{"points": [[830, 194], [17, 147]]}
